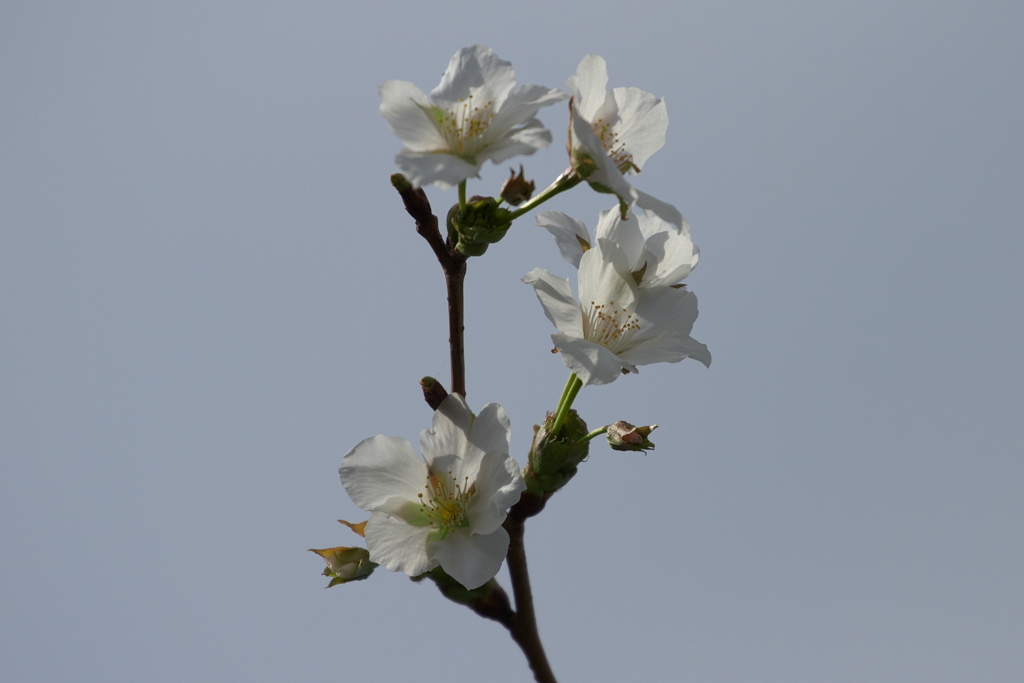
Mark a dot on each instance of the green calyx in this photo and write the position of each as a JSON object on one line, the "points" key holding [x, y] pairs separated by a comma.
{"points": [[553, 459], [479, 224]]}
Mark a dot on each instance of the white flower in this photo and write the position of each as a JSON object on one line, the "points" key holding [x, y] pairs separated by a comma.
{"points": [[657, 253], [613, 133], [616, 325], [447, 510], [476, 113]]}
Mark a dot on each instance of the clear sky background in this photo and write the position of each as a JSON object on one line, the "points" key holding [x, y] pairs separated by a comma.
{"points": [[209, 292]]}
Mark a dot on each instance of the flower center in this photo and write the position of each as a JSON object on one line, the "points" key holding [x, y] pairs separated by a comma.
{"points": [[614, 147], [464, 125], [609, 325], [445, 502]]}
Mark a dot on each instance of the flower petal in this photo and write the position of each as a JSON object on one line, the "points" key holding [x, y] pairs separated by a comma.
{"points": [[522, 141], [669, 314], [560, 306], [448, 435], [402, 104], [439, 168], [398, 546], [606, 277], [643, 121], [661, 209], [570, 234], [592, 363], [523, 103], [499, 484], [471, 559], [606, 176], [588, 85], [475, 71], [625, 233], [381, 472], [492, 430]]}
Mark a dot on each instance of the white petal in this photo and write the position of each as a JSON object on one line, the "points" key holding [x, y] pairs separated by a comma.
{"points": [[472, 560], [449, 432], [475, 71], [523, 103], [643, 120], [589, 85], [498, 486], [605, 277], [625, 233], [606, 175], [492, 430], [402, 103], [661, 209], [560, 306], [668, 315], [675, 256], [523, 141], [381, 472], [396, 545], [592, 363], [441, 169], [570, 234]]}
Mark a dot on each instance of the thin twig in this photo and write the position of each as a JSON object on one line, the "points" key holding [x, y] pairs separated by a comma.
{"points": [[452, 263], [524, 626]]}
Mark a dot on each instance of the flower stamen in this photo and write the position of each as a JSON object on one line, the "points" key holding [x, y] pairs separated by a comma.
{"points": [[614, 146], [609, 325], [465, 125], [445, 503]]}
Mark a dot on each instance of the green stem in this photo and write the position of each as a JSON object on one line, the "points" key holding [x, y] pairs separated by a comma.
{"points": [[566, 181], [595, 433], [572, 388], [462, 197], [565, 392]]}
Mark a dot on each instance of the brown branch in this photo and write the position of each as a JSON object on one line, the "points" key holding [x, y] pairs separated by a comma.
{"points": [[452, 263], [524, 625]]}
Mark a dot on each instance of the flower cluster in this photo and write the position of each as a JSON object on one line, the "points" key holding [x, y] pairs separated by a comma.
{"points": [[444, 514], [631, 308]]}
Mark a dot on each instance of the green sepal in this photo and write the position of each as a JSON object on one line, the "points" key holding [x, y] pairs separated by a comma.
{"points": [[481, 223], [553, 460], [489, 600]]}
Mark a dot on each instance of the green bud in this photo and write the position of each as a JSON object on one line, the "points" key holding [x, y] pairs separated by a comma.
{"points": [[400, 183], [480, 224], [553, 459], [623, 436]]}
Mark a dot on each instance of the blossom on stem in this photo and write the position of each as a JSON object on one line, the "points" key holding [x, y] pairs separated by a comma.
{"points": [[614, 132], [616, 324], [476, 113], [657, 252], [445, 509]]}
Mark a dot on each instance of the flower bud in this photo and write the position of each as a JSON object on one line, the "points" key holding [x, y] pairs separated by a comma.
{"points": [[480, 224], [623, 436], [517, 189], [345, 564], [553, 459]]}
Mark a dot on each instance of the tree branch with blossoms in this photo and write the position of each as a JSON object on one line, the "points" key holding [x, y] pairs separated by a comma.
{"points": [[455, 513]]}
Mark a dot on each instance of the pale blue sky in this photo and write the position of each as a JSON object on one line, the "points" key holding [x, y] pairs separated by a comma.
{"points": [[209, 292]]}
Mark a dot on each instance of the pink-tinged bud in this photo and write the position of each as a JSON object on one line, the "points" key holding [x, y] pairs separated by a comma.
{"points": [[623, 436]]}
